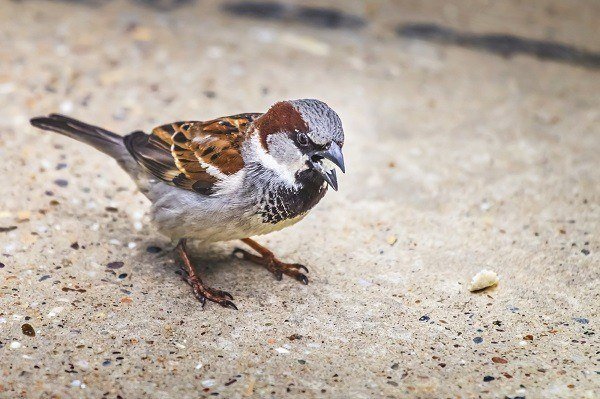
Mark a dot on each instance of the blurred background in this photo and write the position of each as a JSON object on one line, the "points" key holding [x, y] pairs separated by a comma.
{"points": [[472, 140]]}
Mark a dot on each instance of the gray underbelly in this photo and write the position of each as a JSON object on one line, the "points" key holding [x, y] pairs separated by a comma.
{"points": [[180, 214]]}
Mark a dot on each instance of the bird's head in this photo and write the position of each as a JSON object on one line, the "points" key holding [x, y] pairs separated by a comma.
{"points": [[300, 135]]}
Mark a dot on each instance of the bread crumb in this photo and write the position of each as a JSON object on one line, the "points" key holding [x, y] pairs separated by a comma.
{"points": [[483, 279]]}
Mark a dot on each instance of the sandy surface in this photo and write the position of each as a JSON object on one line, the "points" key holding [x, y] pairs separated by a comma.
{"points": [[458, 160]]}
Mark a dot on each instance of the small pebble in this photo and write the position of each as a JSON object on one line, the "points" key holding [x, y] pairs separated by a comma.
{"points": [[153, 249], [424, 318], [115, 265], [208, 383], [66, 107], [23, 215], [61, 182], [15, 345], [54, 311], [364, 283], [581, 320], [478, 340], [28, 330], [282, 350], [488, 378]]}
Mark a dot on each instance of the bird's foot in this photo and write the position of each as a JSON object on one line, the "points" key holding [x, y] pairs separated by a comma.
{"points": [[202, 291], [272, 264]]}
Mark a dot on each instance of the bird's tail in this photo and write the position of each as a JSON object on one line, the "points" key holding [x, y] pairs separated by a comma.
{"points": [[108, 142]]}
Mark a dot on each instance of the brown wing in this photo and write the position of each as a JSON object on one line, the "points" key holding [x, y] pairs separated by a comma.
{"points": [[192, 155]]}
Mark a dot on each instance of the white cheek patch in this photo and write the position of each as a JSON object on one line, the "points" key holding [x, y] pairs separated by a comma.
{"points": [[269, 162], [286, 154]]}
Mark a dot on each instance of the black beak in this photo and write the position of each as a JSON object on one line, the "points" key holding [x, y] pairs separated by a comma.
{"points": [[334, 154]]}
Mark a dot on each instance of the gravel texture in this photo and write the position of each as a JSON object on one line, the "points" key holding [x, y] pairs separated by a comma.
{"points": [[458, 160]]}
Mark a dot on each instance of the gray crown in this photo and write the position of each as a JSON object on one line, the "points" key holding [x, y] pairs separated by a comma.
{"points": [[324, 124]]}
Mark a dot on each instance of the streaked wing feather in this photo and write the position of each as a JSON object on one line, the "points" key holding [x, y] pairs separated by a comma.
{"points": [[192, 155]]}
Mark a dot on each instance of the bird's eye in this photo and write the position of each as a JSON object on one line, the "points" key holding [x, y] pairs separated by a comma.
{"points": [[302, 139]]}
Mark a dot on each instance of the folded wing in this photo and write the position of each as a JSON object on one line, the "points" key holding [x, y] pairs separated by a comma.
{"points": [[192, 155]]}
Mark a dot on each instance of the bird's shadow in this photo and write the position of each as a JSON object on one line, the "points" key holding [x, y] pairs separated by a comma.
{"points": [[214, 263]]}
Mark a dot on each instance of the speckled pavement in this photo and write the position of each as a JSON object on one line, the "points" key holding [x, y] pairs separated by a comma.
{"points": [[458, 160]]}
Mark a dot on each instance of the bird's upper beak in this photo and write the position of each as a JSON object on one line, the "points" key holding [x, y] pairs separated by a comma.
{"points": [[333, 154]]}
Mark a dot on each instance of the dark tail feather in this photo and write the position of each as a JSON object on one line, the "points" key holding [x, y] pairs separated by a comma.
{"points": [[108, 142]]}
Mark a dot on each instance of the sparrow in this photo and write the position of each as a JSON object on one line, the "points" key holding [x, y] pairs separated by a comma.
{"points": [[228, 178]]}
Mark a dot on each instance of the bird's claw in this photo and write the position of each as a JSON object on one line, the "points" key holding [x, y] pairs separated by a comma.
{"points": [[274, 265], [203, 293]]}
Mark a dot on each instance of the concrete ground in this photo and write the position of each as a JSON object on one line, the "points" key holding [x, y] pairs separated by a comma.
{"points": [[458, 160]]}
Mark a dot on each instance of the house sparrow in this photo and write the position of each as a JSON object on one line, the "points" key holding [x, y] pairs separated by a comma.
{"points": [[228, 178]]}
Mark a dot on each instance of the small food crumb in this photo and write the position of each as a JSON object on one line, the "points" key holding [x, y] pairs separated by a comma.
{"points": [[500, 360], [483, 279], [15, 345], [392, 239], [282, 350]]}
